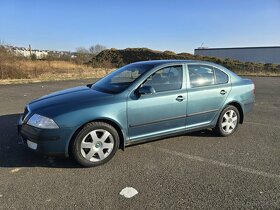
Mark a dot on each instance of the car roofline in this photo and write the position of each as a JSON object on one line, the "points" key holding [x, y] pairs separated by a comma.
{"points": [[162, 63]]}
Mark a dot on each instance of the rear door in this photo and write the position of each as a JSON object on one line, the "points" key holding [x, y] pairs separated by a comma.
{"points": [[208, 88]]}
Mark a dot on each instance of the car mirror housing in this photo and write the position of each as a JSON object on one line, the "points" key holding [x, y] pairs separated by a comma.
{"points": [[146, 90]]}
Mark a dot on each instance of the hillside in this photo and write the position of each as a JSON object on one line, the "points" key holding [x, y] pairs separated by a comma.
{"points": [[115, 58]]}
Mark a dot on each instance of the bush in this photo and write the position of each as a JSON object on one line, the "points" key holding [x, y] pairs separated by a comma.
{"points": [[33, 57], [268, 66]]}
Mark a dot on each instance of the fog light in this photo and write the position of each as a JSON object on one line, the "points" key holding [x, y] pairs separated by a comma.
{"points": [[32, 145]]}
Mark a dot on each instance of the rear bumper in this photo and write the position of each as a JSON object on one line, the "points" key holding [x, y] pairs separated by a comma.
{"points": [[46, 141], [248, 104], [248, 107]]}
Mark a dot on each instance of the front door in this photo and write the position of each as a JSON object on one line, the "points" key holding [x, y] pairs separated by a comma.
{"points": [[162, 112]]}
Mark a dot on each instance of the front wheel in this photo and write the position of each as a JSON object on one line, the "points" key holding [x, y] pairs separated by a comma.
{"points": [[95, 144], [228, 121]]}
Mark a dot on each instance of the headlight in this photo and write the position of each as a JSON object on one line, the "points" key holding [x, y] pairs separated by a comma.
{"points": [[42, 122]]}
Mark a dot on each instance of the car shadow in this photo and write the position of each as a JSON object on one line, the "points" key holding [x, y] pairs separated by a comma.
{"points": [[203, 133], [14, 154], [207, 133]]}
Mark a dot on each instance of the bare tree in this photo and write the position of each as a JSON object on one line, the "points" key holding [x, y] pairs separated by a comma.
{"points": [[95, 49], [82, 50], [83, 56]]}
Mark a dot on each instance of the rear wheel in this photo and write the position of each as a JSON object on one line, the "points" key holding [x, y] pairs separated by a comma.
{"points": [[228, 121], [95, 144]]}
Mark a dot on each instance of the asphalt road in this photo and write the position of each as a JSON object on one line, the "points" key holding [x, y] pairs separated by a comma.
{"points": [[192, 171]]}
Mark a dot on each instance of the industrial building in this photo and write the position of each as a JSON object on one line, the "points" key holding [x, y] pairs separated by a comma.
{"points": [[246, 54]]}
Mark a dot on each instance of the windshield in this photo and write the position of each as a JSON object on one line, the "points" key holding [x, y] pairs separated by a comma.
{"points": [[120, 79]]}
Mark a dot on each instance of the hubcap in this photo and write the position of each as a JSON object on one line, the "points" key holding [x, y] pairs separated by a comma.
{"points": [[229, 121], [97, 145]]}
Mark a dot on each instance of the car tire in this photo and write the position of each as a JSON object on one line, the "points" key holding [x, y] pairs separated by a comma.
{"points": [[95, 144], [228, 121]]}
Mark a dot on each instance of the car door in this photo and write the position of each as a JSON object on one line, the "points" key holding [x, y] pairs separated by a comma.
{"points": [[208, 88], [161, 112]]}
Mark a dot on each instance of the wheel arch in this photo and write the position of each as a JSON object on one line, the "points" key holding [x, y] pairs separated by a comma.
{"points": [[239, 108], [105, 120]]}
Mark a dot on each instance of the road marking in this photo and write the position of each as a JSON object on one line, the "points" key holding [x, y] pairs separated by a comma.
{"points": [[128, 192], [262, 124], [215, 162]]}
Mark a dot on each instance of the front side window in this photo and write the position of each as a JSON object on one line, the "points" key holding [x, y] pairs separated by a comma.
{"points": [[166, 79], [201, 75]]}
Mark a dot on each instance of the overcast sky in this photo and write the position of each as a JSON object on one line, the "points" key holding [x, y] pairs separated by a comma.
{"points": [[176, 25]]}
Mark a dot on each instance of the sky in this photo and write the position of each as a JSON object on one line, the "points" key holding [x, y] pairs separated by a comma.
{"points": [[175, 25]]}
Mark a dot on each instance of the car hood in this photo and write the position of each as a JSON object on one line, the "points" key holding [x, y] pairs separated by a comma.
{"points": [[68, 100]]}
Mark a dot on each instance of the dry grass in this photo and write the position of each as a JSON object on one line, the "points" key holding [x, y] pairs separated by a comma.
{"points": [[258, 74], [24, 71], [60, 69], [14, 69], [27, 71]]}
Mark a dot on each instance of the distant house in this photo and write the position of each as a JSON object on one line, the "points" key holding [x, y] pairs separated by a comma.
{"points": [[40, 54], [245, 54], [26, 52]]}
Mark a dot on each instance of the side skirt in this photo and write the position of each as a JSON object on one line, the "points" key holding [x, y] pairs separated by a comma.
{"points": [[164, 136]]}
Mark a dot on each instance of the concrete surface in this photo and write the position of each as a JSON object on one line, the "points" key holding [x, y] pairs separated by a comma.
{"points": [[192, 171]]}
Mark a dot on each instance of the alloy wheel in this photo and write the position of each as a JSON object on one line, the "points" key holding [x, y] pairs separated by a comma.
{"points": [[229, 121], [97, 145]]}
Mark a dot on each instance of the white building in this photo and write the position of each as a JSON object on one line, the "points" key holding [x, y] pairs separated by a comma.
{"points": [[21, 51], [40, 54]]}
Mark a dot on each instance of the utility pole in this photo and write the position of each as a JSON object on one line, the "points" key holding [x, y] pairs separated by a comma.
{"points": [[30, 50]]}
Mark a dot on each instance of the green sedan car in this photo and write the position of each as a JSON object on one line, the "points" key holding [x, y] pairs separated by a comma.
{"points": [[139, 102]]}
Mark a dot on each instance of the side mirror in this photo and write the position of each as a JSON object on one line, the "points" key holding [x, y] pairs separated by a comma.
{"points": [[146, 90]]}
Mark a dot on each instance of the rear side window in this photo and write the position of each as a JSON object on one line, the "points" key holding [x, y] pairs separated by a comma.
{"points": [[201, 75], [221, 77]]}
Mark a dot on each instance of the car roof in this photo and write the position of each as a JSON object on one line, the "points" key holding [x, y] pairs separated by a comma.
{"points": [[162, 62]]}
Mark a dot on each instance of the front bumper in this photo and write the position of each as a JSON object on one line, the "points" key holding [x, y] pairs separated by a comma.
{"points": [[46, 141]]}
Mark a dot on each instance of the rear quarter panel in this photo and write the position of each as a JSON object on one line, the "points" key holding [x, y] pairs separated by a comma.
{"points": [[242, 92]]}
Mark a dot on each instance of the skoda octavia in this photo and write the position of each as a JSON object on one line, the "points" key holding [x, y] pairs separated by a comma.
{"points": [[138, 102]]}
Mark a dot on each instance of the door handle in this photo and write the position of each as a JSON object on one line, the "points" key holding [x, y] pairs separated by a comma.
{"points": [[223, 92], [180, 98]]}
